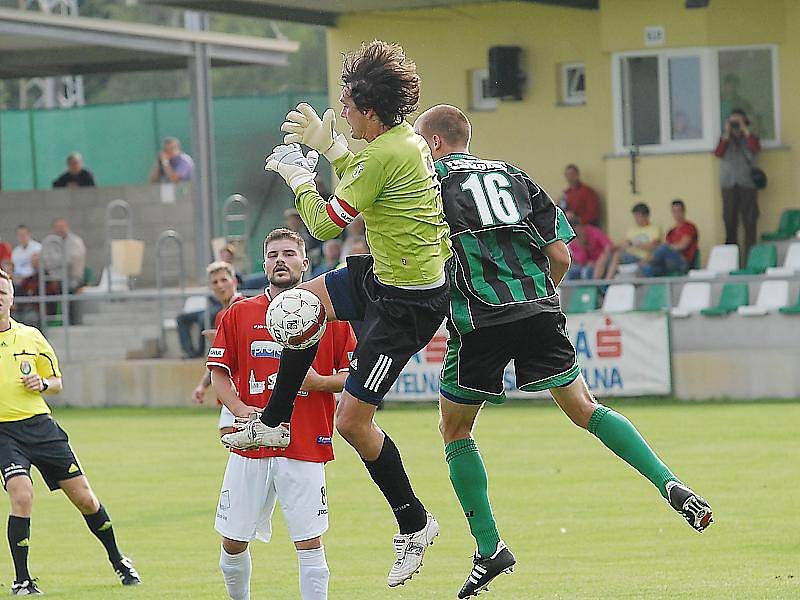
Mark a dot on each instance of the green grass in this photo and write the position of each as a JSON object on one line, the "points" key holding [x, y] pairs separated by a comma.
{"points": [[581, 523]]}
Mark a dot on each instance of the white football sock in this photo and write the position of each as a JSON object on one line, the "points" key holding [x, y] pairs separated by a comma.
{"points": [[236, 570], [314, 574]]}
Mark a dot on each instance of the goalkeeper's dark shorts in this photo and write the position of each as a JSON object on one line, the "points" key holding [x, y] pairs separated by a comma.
{"points": [[392, 324], [475, 364]]}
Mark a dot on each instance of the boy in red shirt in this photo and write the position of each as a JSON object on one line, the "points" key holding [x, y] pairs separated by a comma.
{"points": [[244, 362], [680, 249]]}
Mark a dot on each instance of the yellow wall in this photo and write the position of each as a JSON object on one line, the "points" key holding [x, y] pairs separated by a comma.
{"points": [[541, 136]]}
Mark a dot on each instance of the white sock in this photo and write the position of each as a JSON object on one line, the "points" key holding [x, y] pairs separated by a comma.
{"points": [[314, 574], [236, 570]]}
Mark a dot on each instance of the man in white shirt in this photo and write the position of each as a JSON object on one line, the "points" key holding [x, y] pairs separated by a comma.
{"points": [[25, 255]]}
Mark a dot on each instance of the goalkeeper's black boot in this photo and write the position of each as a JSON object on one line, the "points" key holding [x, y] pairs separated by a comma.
{"points": [[694, 508], [484, 570], [127, 572]]}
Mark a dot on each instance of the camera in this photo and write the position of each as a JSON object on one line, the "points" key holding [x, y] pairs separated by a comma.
{"points": [[735, 125]]}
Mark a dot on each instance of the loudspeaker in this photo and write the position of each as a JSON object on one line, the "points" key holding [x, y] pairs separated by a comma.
{"points": [[506, 76]]}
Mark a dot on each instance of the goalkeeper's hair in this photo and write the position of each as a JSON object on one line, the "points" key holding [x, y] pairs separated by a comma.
{"points": [[283, 233], [449, 123], [380, 77]]}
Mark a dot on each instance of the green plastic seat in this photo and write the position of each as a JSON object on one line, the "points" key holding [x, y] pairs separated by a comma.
{"points": [[583, 300], [788, 226], [791, 310], [656, 298], [761, 257], [733, 296]]}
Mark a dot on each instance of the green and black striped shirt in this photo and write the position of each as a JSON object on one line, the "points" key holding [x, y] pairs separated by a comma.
{"points": [[499, 222]]}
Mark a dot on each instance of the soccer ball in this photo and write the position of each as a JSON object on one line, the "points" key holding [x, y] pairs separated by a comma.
{"points": [[296, 319]]}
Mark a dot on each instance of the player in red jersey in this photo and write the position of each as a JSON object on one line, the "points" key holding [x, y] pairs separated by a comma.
{"points": [[222, 282], [244, 362]]}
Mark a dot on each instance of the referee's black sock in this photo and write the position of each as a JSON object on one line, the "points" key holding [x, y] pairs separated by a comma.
{"points": [[390, 476], [291, 373], [100, 525], [19, 533]]}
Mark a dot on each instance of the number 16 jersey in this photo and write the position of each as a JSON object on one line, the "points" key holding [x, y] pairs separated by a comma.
{"points": [[500, 220]]}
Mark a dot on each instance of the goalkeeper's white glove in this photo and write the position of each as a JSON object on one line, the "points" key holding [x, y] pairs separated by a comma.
{"points": [[288, 162], [303, 126]]}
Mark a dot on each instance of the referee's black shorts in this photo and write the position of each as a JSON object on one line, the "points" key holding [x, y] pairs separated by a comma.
{"points": [[39, 441], [393, 324]]}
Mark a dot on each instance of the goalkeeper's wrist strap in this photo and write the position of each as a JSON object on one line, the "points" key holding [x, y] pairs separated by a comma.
{"points": [[337, 150]]}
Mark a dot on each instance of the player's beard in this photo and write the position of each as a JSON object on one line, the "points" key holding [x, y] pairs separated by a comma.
{"points": [[285, 284]]}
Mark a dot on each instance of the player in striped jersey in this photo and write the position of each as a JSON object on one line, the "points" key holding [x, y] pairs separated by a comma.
{"points": [[509, 241]]}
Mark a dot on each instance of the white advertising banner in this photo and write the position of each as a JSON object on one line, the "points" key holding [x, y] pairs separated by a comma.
{"points": [[620, 355]]}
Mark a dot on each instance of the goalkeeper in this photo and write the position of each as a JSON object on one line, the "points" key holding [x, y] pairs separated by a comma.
{"points": [[399, 293]]}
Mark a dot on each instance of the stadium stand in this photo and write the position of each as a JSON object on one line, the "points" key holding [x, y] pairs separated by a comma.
{"points": [[794, 309], [772, 295], [656, 298], [788, 227], [760, 258], [723, 259], [619, 298], [733, 296], [791, 263], [583, 300], [695, 296]]}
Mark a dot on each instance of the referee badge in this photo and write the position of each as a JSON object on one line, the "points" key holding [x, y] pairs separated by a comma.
{"points": [[25, 367]]}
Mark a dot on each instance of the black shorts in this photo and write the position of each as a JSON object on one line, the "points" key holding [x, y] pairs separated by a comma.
{"points": [[395, 324], [37, 441], [475, 363]]}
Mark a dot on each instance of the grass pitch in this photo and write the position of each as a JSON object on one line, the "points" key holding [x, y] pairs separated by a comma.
{"points": [[581, 523]]}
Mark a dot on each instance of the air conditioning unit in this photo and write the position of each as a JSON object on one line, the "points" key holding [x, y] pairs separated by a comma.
{"points": [[480, 99]]}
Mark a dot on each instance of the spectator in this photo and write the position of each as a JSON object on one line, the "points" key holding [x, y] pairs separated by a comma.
{"points": [[589, 248], [640, 241], [25, 255], [71, 244], [5, 254], [228, 255], [738, 149], [171, 164], [60, 247], [580, 198], [75, 175], [680, 249], [331, 252], [222, 283], [295, 223], [224, 289]]}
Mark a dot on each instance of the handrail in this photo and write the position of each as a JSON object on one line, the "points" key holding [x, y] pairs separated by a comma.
{"points": [[173, 235], [112, 221], [44, 278]]}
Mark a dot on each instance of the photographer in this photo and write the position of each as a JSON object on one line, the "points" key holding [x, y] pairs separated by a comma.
{"points": [[738, 148]]}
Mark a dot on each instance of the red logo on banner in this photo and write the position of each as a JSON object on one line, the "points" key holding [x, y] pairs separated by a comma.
{"points": [[609, 341], [436, 349]]}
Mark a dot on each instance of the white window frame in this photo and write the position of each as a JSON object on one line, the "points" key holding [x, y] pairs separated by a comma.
{"points": [[566, 97], [709, 98]]}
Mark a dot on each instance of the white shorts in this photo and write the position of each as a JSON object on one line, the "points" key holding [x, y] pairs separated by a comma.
{"points": [[252, 486]]}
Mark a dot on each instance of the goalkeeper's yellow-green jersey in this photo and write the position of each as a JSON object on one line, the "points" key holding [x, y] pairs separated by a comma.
{"points": [[392, 183]]}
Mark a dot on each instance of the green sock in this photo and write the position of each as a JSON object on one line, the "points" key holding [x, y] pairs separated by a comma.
{"points": [[622, 438], [468, 476]]}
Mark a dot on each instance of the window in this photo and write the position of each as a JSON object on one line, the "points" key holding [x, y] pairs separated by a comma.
{"points": [[677, 100], [573, 84]]}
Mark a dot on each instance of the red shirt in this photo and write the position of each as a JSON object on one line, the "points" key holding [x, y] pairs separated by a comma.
{"points": [[583, 201], [245, 349], [676, 234], [5, 251], [589, 249]]}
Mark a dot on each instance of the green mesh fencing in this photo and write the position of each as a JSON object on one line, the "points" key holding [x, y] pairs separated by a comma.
{"points": [[119, 143]]}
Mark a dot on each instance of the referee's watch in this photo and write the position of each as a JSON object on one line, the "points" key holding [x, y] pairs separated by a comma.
{"points": [[45, 385]]}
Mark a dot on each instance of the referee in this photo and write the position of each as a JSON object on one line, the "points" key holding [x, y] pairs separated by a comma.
{"points": [[30, 436]]}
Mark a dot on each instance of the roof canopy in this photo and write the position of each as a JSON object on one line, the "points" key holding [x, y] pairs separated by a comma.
{"points": [[325, 12], [34, 44]]}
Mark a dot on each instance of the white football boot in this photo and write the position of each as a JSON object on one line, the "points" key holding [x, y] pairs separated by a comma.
{"points": [[410, 548], [254, 434]]}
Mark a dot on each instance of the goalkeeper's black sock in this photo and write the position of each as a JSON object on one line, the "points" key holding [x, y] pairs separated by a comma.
{"points": [[19, 533], [291, 373], [100, 525], [390, 476]]}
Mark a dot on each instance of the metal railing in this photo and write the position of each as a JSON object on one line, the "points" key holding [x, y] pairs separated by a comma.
{"points": [[164, 238], [111, 222]]}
